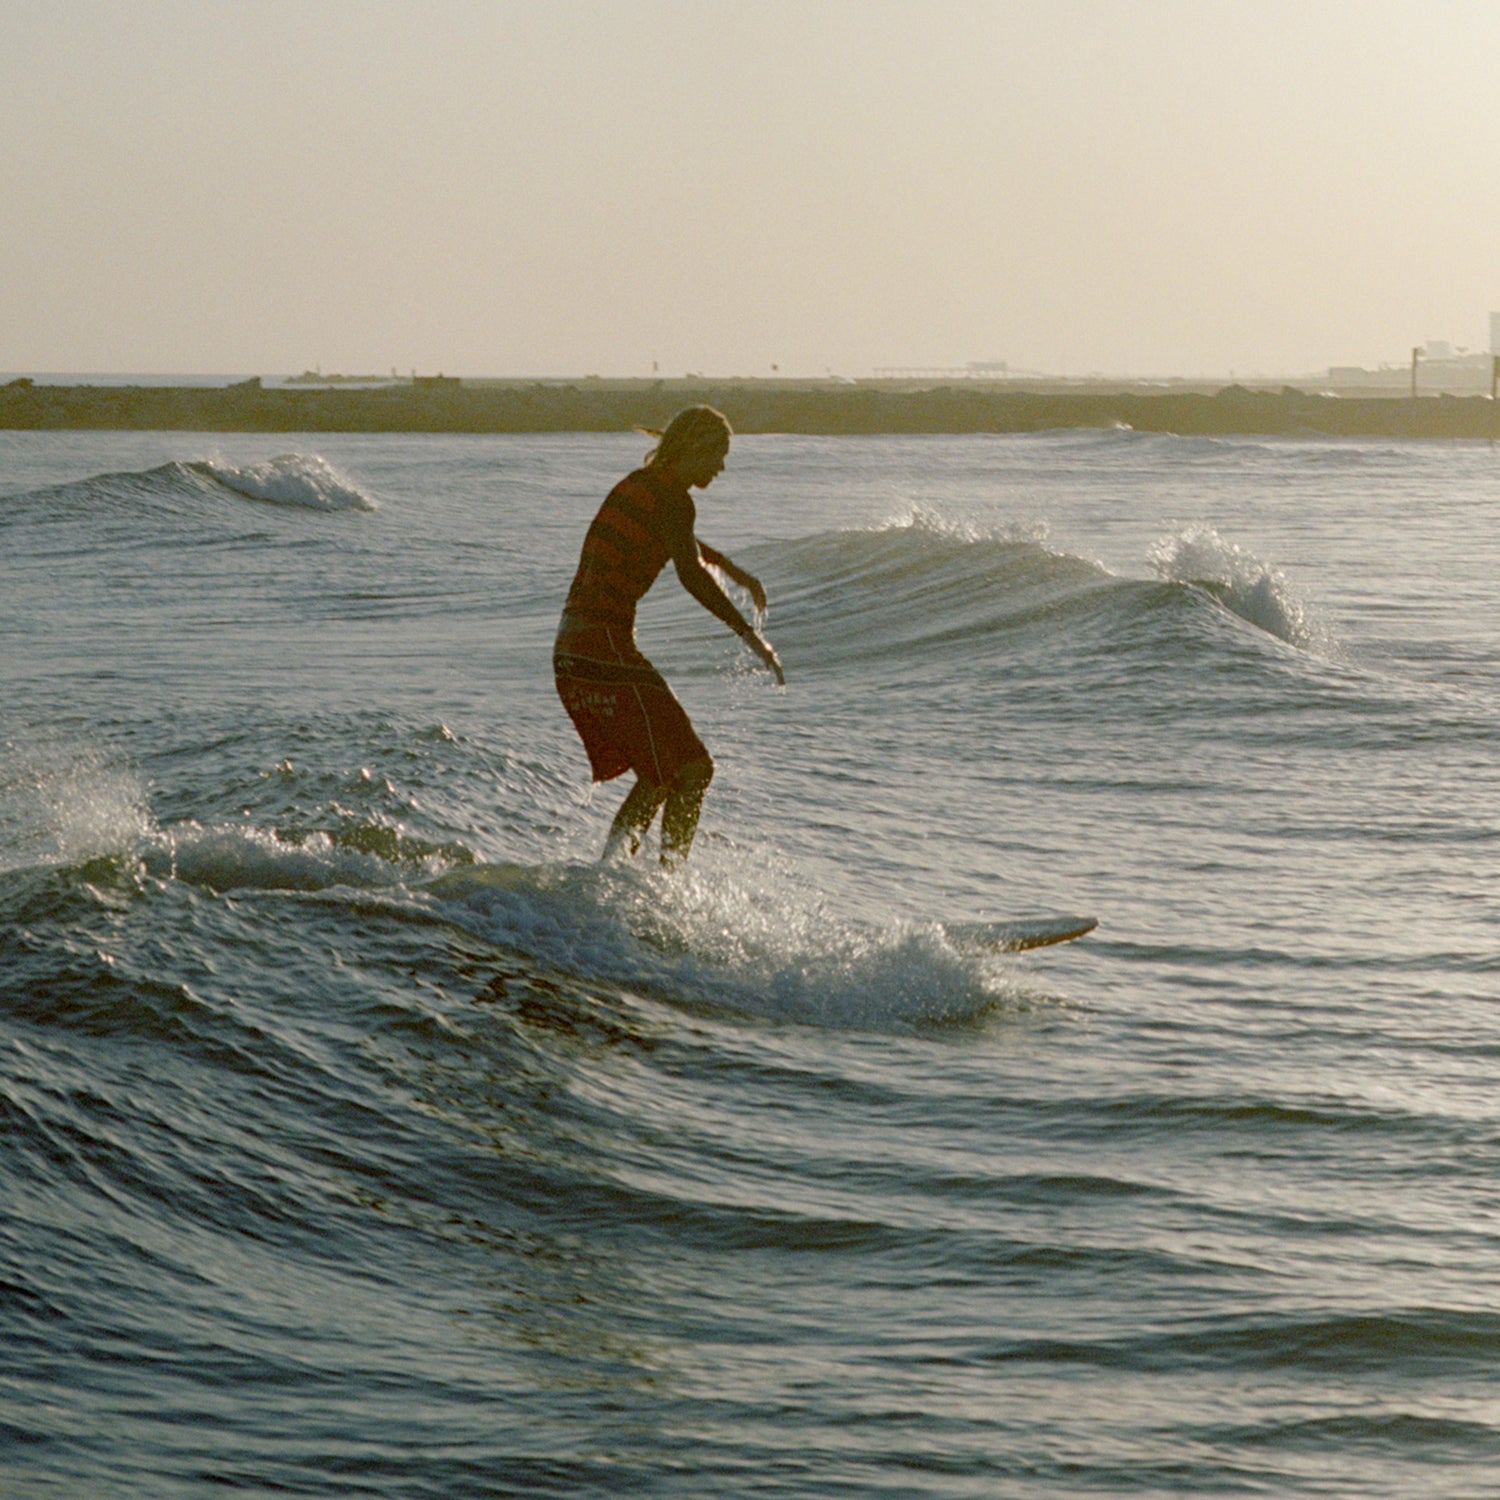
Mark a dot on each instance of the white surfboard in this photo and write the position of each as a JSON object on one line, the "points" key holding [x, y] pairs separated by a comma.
{"points": [[1018, 934], [1012, 936], [469, 880]]}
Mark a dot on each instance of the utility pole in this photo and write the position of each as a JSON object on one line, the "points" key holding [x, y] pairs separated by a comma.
{"points": [[1416, 354]]}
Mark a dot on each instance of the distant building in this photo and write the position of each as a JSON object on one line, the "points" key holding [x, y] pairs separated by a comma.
{"points": [[1442, 370], [1495, 333], [984, 369]]}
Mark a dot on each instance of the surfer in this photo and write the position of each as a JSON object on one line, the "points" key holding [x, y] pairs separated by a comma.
{"points": [[626, 715]]}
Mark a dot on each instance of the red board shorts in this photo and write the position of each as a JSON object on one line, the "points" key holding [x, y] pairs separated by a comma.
{"points": [[624, 712]]}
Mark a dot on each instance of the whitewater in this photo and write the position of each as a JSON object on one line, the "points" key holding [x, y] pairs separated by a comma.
{"points": [[325, 1174]]}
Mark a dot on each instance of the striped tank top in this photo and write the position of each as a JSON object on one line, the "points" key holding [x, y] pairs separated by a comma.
{"points": [[627, 546]]}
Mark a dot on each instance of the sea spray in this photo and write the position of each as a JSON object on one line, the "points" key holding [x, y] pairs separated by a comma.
{"points": [[63, 804], [1254, 590], [295, 479]]}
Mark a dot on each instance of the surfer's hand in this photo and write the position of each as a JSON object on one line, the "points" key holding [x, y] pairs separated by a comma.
{"points": [[768, 655]]}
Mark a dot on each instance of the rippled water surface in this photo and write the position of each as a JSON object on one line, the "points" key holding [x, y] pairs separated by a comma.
{"points": [[361, 1135]]}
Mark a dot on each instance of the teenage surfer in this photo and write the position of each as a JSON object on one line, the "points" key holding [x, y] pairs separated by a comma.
{"points": [[626, 715]]}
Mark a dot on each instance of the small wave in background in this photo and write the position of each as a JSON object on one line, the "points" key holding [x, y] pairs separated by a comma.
{"points": [[306, 480], [954, 597], [173, 491]]}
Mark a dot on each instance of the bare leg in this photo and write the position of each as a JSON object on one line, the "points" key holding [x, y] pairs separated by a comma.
{"points": [[679, 820], [634, 818]]}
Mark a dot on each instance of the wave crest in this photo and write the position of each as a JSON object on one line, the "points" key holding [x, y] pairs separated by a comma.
{"points": [[308, 481], [1254, 590]]}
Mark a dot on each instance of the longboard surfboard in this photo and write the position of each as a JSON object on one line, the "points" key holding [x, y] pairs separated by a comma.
{"points": [[467, 880], [1019, 934], [1013, 936]]}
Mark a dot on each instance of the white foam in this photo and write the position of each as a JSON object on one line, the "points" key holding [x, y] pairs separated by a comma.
{"points": [[306, 480], [749, 941], [1254, 590], [927, 521], [234, 857]]}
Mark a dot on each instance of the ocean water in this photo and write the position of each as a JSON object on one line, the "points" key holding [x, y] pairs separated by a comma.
{"points": [[319, 1177]]}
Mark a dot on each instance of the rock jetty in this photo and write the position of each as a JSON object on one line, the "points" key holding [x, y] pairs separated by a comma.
{"points": [[813, 407]]}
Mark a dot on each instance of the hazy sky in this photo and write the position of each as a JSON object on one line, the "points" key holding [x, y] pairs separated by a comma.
{"points": [[566, 187]]}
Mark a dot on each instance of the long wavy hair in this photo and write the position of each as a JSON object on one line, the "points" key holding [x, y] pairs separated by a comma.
{"points": [[694, 430]]}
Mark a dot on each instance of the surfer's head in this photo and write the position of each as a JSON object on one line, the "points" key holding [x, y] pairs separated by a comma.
{"points": [[693, 446]]}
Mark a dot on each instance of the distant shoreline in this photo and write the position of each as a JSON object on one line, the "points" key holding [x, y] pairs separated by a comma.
{"points": [[823, 408]]}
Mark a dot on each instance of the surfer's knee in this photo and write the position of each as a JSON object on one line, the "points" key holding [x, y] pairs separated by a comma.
{"points": [[695, 775]]}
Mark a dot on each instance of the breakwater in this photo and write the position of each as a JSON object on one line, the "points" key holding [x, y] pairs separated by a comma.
{"points": [[822, 408]]}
